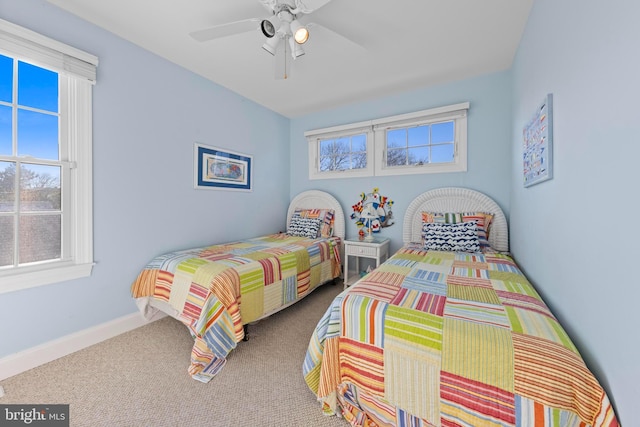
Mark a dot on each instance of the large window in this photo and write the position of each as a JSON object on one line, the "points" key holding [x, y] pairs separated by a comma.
{"points": [[429, 141], [45, 160]]}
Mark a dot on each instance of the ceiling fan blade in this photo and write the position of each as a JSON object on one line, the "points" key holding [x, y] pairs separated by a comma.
{"points": [[347, 38], [308, 6], [270, 5], [225, 30]]}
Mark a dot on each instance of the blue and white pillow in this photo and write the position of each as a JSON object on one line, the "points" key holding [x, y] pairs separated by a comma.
{"points": [[304, 227], [460, 237]]}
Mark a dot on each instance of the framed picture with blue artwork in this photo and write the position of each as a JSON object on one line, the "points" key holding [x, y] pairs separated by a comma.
{"points": [[537, 153], [221, 169]]}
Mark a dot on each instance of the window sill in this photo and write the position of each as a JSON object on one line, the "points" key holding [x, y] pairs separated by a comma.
{"points": [[458, 166], [31, 277]]}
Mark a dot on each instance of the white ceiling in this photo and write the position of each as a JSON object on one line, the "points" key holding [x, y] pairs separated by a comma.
{"points": [[390, 46]]}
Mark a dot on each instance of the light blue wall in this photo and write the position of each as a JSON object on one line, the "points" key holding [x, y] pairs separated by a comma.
{"points": [[574, 235], [149, 112], [147, 115], [488, 146]]}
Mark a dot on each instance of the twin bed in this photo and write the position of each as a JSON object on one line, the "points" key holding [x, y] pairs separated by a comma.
{"points": [[448, 336], [216, 291], [446, 332]]}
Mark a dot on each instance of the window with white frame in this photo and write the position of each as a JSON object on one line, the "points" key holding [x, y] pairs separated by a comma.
{"points": [[46, 230], [428, 141], [340, 152]]}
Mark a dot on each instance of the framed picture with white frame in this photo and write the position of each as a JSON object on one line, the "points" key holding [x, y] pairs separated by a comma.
{"points": [[537, 153]]}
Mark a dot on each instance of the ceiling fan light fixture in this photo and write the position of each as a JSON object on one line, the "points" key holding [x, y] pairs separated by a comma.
{"points": [[268, 26], [271, 45], [296, 49], [300, 33]]}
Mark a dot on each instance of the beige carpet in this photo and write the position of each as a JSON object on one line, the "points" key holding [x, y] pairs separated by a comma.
{"points": [[140, 378]]}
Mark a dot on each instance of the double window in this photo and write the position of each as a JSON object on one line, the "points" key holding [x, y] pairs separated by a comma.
{"points": [[46, 232], [428, 141]]}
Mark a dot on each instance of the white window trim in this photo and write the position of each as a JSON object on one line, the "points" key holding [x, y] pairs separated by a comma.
{"points": [[80, 71], [376, 143]]}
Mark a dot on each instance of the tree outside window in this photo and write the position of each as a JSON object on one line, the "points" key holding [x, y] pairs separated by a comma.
{"points": [[345, 153], [421, 145]]}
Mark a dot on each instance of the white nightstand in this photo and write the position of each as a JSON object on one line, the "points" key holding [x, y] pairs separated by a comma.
{"points": [[378, 249]]}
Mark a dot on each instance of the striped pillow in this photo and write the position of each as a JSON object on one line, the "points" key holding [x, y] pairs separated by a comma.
{"points": [[304, 227], [482, 219], [460, 237]]}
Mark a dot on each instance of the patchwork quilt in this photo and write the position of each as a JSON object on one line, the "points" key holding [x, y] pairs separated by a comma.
{"points": [[215, 290], [450, 339]]}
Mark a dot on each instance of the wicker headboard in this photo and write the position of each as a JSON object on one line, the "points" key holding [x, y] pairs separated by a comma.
{"points": [[316, 199], [455, 199]]}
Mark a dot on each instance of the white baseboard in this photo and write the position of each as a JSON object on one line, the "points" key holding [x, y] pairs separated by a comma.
{"points": [[39, 355]]}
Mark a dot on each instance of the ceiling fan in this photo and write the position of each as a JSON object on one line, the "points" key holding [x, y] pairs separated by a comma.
{"points": [[283, 31]]}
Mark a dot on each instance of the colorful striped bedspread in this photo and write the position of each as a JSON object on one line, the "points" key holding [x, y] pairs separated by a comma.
{"points": [[450, 339], [215, 290]]}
